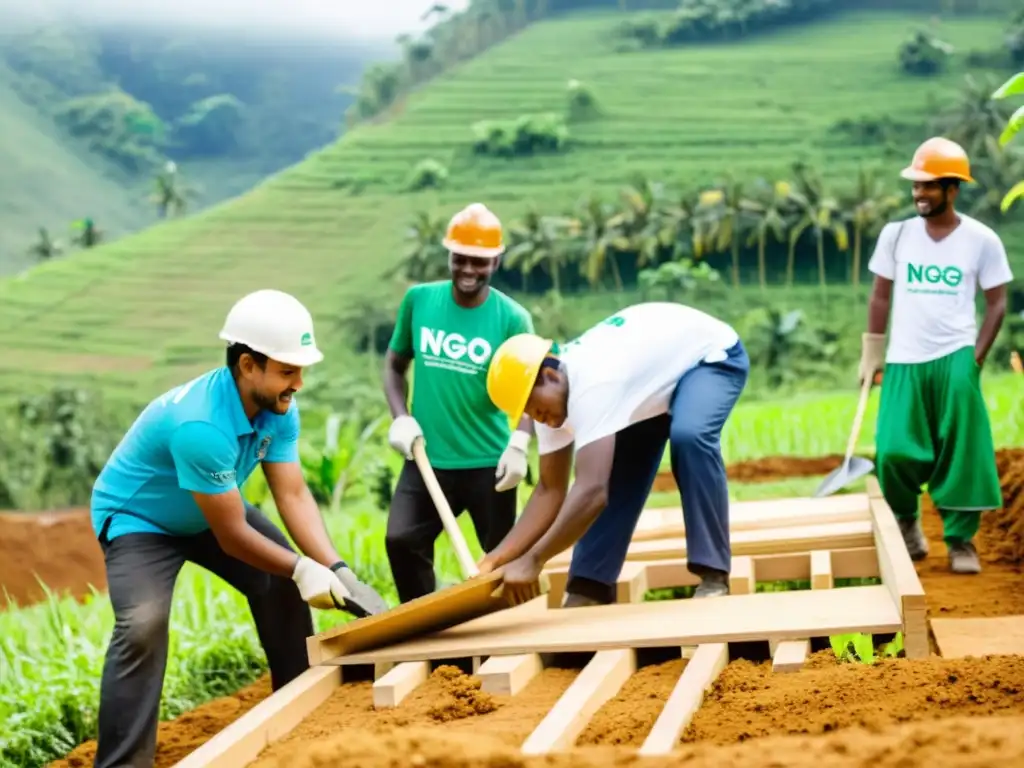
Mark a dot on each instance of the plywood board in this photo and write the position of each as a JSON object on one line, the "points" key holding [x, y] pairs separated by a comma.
{"points": [[448, 607], [667, 522], [858, 533], [1001, 635], [734, 618]]}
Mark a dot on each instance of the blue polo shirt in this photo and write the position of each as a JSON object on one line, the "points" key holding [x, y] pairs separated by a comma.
{"points": [[196, 437]]}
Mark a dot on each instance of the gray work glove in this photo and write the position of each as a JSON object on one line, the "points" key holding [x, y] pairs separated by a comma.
{"points": [[362, 599]]}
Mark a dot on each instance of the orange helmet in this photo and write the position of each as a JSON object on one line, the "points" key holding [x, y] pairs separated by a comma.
{"points": [[475, 231], [938, 158]]}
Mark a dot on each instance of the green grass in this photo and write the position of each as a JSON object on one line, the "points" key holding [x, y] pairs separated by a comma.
{"points": [[139, 315]]}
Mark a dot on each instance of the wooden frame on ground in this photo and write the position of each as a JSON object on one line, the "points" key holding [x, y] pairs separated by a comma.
{"points": [[508, 648]]}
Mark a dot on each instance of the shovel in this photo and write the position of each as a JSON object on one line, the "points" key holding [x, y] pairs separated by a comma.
{"points": [[451, 527], [853, 467]]}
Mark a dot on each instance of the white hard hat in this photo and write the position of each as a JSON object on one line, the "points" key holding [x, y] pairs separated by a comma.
{"points": [[276, 324]]}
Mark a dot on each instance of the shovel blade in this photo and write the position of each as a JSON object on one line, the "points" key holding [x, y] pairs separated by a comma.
{"points": [[844, 475]]}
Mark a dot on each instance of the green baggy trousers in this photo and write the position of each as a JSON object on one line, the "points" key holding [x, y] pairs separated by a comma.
{"points": [[933, 429]]}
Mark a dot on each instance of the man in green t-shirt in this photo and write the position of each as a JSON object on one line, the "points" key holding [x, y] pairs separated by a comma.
{"points": [[449, 330]]}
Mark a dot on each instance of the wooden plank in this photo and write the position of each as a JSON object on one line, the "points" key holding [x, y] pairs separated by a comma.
{"points": [[242, 741], [704, 666], [821, 569], [998, 635], [732, 618], [448, 607], [599, 681], [899, 575], [741, 577], [399, 683], [667, 522], [508, 675], [631, 586], [789, 655], [755, 542]]}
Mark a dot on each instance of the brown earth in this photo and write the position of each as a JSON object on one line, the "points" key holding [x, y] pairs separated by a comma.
{"points": [[57, 547], [834, 714], [178, 738]]}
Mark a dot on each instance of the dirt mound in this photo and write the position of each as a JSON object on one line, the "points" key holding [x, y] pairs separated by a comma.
{"points": [[178, 738], [58, 548], [999, 589], [749, 701], [959, 743], [460, 696], [782, 467]]}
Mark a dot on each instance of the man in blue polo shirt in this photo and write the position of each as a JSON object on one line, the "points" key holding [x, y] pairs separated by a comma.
{"points": [[170, 494]]}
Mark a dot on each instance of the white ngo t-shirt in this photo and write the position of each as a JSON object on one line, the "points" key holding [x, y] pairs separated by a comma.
{"points": [[625, 368], [935, 285]]}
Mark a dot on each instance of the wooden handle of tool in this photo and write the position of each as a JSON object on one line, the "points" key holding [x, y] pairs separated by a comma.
{"points": [[865, 390], [451, 526]]}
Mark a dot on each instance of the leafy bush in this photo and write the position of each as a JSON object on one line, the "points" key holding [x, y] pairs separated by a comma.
{"points": [[117, 126], [211, 126], [427, 174], [526, 135], [924, 54], [582, 103]]}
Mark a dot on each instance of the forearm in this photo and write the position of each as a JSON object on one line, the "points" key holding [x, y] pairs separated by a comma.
{"points": [[396, 392], [878, 314], [582, 506], [245, 543], [541, 510], [993, 321], [526, 425], [304, 522]]}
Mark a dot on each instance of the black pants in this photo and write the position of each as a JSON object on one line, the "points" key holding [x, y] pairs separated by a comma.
{"points": [[414, 522], [141, 571]]}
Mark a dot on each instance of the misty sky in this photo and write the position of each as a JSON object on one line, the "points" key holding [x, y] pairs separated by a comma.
{"points": [[377, 19]]}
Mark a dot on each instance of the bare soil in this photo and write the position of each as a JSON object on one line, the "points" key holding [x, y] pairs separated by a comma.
{"points": [[896, 713]]}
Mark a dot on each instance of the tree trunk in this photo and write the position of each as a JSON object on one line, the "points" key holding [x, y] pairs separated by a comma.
{"points": [[760, 262], [856, 256], [790, 264], [616, 274], [821, 263], [736, 261]]}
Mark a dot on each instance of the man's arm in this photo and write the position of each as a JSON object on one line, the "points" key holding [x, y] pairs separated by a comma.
{"points": [[299, 511], [204, 460], [396, 385], [540, 510], [878, 307], [588, 497], [995, 311]]}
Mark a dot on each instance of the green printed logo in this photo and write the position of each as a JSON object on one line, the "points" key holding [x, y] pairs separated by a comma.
{"points": [[307, 339], [933, 278]]}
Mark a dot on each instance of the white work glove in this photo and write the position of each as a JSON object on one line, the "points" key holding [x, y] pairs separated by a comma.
{"points": [[319, 585], [512, 465], [872, 356], [403, 433]]}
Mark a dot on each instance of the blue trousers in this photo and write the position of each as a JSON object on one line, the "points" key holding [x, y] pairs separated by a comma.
{"points": [[701, 402]]}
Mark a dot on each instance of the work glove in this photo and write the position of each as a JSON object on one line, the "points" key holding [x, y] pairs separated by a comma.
{"points": [[512, 464], [319, 585], [403, 433], [872, 356], [363, 600]]}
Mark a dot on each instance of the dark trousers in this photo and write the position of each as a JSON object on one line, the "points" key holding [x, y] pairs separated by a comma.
{"points": [[414, 523], [141, 571], [702, 401]]}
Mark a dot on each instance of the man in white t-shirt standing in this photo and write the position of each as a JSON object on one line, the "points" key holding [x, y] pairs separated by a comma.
{"points": [[650, 374], [933, 427]]}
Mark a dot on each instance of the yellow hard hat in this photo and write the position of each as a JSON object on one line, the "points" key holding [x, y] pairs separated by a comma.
{"points": [[938, 158], [513, 372]]}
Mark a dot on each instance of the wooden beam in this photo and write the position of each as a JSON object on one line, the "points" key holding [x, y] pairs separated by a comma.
{"points": [[821, 569], [389, 690], [599, 681], [704, 666], [899, 575], [667, 522], [241, 742], [755, 542], [508, 675], [789, 655], [742, 577], [631, 586], [732, 618]]}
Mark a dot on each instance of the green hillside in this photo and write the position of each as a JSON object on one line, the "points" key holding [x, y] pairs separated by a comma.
{"points": [[142, 313]]}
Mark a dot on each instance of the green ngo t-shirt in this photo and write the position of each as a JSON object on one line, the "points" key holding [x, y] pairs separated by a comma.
{"points": [[451, 347]]}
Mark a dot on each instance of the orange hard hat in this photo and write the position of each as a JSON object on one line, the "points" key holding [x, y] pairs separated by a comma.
{"points": [[475, 231], [938, 158]]}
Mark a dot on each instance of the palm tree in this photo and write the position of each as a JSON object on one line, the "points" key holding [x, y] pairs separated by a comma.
{"points": [[537, 241], [975, 116], [171, 193], [869, 205], [88, 234], [721, 211], [427, 258], [767, 212], [46, 247], [819, 212], [602, 237]]}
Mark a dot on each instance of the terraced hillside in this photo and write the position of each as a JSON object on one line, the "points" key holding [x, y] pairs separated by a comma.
{"points": [[142, 313]]}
